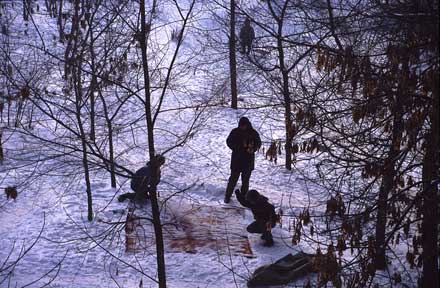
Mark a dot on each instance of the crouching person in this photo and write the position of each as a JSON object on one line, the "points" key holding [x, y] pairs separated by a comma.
{"points": [[264, 214], [142, 181]]}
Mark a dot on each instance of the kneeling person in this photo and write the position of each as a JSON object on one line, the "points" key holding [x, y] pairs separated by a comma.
{"points": [[263, 211], [142, 181]]}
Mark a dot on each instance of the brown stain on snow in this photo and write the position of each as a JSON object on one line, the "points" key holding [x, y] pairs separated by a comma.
{"points": [[203, 228]]}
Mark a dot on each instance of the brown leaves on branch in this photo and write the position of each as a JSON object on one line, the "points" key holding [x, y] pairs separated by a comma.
{"points": [[335, 206], [306, 117], [327, 267], [305, 217], [371, 170]]}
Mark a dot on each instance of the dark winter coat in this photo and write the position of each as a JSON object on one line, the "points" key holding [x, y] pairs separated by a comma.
{"points": [[141, 181], [247, 34], [262, 210], [243, 144]]}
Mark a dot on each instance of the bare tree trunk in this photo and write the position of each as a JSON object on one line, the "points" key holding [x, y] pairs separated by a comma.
{"points": [[93, 84], [380, 260], [48, 7], [112, 154], [1, 147], [76, 74], [110, 140], [26, 10], [288, 120], [430, 197], [18, 114], [84, 150], [160, 254], [387, 186], [232, 57], [60, 21], [92, 115], [9, 111], [31, 117], [285, 87]]}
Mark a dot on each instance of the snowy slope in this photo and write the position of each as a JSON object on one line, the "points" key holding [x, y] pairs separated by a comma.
{"points": [[204, 162], [77, 253]]}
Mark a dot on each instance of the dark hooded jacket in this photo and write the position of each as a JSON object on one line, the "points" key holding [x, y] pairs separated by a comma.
{"points": [[262, 210], [141, 180], [247, 34], [243, 144]]}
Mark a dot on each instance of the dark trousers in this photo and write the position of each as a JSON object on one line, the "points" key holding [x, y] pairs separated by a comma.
{"points": [[246, 48], [233, 179], [259, 227]]}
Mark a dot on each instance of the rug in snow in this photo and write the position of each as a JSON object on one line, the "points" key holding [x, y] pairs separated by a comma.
{"points": [[190, 228]]}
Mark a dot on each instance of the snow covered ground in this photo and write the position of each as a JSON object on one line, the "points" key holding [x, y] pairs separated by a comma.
{"points": [[78, 261], [47, 228]]}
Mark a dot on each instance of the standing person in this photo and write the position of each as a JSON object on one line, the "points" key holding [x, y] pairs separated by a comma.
{"points": [[142, 181], [244, 141], [247, 36], [264, 214]]}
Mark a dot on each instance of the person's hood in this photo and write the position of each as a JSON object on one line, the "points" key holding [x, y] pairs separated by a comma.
{"points": [[245, 120]]}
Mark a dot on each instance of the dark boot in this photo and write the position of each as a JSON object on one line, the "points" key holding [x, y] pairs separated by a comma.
{"points": [[126, 196], [243, 48], [267, 236], [268, 243], [248, 50], [227, 198]]}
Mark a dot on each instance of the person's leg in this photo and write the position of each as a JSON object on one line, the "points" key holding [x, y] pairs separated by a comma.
{"points": [[243, 47], [255, 227], [140, 198], [267, 236], [248, 46], [231, 184], [259, 227], [125, 196], [245, 176]]}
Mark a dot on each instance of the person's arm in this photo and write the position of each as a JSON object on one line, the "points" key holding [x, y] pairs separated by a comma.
{"points": [[232, 142], [242, 199], [257, 141], [252, 34], [273, 217]]}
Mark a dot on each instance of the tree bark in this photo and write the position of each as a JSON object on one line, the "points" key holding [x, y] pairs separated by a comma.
{"points": [[60, 21], [160, 254], [92, 114], [285, 90], [112, 155], [77, 80], [26, 8], [232, 57], [108, 120], [430, 197], [387, 185], [1, 147], [93, 84]]}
